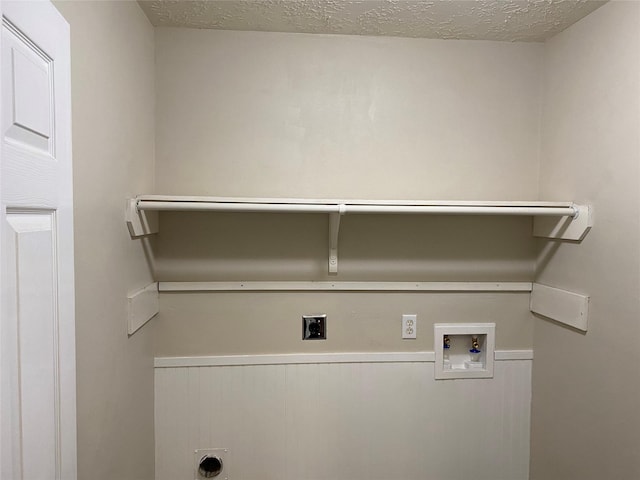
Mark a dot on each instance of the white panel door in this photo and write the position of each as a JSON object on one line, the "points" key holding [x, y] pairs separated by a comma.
{"points": [[37, 387]]}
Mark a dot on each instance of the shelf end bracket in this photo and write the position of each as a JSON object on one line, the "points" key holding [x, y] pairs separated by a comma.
{"points": [[565, 228], [139, 222]]}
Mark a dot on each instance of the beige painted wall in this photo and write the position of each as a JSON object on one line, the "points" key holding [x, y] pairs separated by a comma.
{"points": [[586, 387], [240, 247], [254, 323], [112, 55], [297, 115], [288, 115]]}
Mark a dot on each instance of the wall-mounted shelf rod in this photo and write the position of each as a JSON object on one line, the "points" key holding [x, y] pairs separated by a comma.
{"points": [[559, 209], [557, 220], [236, 207]]}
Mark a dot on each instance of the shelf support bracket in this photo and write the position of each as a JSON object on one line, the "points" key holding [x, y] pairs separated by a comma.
{"points": [[334, 229], [140, 222], [565, 228], [562, 306]]}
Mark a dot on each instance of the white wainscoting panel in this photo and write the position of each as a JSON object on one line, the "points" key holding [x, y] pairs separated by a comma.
{"points": [[345, 421]]}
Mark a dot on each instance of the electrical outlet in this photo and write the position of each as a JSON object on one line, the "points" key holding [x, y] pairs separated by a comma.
{"points": [[409, 325], [314, 327]]}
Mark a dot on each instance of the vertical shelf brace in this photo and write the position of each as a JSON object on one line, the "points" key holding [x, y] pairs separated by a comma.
{"points": [[334, 229]]}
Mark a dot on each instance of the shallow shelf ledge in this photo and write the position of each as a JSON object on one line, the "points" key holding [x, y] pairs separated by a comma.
{"points": [[558, 220]]}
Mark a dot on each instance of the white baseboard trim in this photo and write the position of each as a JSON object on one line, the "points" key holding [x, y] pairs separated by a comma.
{"points": [[309, 358], [345, 286], [514, 355]]}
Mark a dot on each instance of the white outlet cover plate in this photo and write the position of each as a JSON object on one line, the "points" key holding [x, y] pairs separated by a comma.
{"points": [[409, 326]]}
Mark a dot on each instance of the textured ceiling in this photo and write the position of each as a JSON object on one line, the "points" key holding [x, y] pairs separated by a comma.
{"points": [[505, 20]]}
